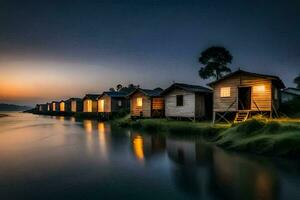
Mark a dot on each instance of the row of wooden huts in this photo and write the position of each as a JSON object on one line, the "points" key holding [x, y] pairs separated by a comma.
{"points": [[238, 95]]}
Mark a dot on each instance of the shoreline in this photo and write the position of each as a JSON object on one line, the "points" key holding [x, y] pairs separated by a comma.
{"points": [[272, 138]]}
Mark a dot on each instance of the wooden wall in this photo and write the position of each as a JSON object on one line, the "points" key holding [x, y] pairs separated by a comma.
{"points": [[136, 110], [188, 108], [115, 103], [107, 103], [94, 105], [262, 99], [200, 105]]}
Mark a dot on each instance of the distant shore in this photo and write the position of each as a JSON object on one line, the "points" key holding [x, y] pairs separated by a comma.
{"points": [[3, 115]]}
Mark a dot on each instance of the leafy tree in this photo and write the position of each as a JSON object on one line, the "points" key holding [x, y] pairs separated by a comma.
{"points": [[119, 87], [215, 60], [297, 81], [112, 89]]}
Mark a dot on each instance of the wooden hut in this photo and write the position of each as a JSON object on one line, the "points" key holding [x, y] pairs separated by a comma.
{"points": [[90, 103], [188, 101], [146, 103], [245, 94], [55, 106], [110, 102], [75, 105]]}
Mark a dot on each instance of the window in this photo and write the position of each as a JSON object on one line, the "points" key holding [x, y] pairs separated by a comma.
{"points": [[179, 100], [139, 101], [62, 107], [101, 105], [225, 92], [119, 103]]}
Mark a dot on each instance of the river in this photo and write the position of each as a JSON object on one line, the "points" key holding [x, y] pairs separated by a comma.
{"points": [[44, 157]]}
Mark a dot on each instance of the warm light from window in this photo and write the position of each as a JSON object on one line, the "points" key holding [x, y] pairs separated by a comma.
{"points": [[259, 88], [139, 101], [101, 105], [225, 92], [62, 106], [53, 107], [88, 105], [138, 144], [73, 106], [48, 107]]}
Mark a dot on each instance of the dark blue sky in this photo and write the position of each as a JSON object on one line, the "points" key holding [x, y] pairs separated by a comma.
{"points": [[150, 43]]}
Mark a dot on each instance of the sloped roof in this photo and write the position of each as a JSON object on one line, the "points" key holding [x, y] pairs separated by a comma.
{"points": [[151, 93], [114, 94], [293, 91], [74, 99], [276, 79], [91, 96], [187, 87]]}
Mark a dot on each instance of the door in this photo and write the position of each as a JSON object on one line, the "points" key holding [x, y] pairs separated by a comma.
{"points": [[244, 98]]}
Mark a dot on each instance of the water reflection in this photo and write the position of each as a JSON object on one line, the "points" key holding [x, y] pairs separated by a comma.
{"points": [[88, 156], [145, 146]]}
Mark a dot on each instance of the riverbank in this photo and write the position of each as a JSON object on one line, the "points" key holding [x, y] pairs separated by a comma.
{"points": [[266, 137]]}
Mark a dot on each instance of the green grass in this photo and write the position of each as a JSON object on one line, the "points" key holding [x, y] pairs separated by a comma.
{"points": [[269, 137]]}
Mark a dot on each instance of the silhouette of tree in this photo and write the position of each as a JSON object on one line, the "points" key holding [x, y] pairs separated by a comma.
{"points": [[119, 87], [297, 81], [215, 60], [112, 89]]}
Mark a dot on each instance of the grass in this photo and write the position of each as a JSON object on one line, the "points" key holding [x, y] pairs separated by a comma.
{"points": [[279, 137]]}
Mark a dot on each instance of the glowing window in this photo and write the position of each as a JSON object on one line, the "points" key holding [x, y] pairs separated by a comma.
{"points": [[53, 107], [139, 101], [225, 92], [101, 105], [62, 106], [88, 105], [259, 88], [48, 107]]}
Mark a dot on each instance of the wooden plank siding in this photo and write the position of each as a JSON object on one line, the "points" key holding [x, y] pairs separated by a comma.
{"points": [[94, 105], [145, 109], [107, 103], [188, 108], [263, 99]]}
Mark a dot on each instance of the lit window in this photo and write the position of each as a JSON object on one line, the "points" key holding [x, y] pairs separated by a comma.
{"points": [[62, 107], [225, 92], [101, 105], [119, 103], [259, 88], [139, 101], [53, 107]]}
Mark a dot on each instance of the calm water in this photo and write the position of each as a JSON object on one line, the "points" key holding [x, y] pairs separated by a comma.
{"points": [[60, 158]]}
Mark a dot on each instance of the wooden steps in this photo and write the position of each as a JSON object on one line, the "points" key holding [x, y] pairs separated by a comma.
{"points": [[241, 116]]}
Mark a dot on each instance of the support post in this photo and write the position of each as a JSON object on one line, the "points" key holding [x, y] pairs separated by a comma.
{"points": [[214, 117]]}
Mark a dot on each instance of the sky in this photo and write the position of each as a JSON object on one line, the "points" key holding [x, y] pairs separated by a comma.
{"points": [[53, 50]]}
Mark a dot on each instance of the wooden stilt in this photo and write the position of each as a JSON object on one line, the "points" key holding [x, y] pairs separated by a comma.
{"points": [[214, 117]]}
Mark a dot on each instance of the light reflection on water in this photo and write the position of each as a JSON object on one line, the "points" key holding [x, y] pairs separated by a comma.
{"points": [[63, 158]]}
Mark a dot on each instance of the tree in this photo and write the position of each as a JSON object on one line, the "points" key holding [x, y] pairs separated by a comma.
{"points": [[297, 81], [215, 60], [119, 87], [112, 89]]}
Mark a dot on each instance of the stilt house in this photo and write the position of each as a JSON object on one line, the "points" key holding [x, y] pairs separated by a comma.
{"points": [[245, 94]]}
